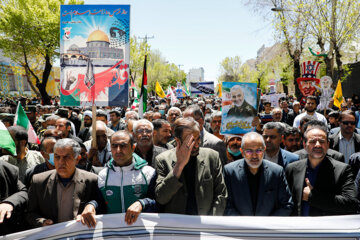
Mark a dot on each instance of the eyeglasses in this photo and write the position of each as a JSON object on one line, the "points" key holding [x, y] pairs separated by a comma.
{"points": [[348, 122], [250, 151], [144, 130]]}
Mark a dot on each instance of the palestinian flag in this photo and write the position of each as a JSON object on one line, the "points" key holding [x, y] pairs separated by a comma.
{"points": [[22, 120], [143, 93]]}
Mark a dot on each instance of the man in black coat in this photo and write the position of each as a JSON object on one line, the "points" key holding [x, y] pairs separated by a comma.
{"points": [[320, 185], [13, 199]]}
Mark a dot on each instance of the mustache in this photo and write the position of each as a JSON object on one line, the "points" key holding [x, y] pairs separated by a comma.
{"points": [[145, 138]]}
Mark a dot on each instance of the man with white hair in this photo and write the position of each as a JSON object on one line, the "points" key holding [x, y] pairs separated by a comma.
{"points": [[256, 187], [276, 114], [145, 148], [173, 114], [131, 115], [66, 193], [240, 107]]}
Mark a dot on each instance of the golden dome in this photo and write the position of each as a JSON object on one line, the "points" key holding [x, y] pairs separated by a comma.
{"points": [[98, 36]]}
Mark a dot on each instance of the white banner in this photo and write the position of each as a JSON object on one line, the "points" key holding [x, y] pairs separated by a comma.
{"points": [[172, 226]]}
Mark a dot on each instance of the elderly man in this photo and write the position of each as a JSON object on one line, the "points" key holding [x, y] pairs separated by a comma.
{"points": [[162, 133], [25, 158], [66, 193], [131, 115], [276, 114], [207, 140], [190, 179], [101, 153], [138, 180], [173, 114], [47, 151], [240, 107], [13, 199], [145, 148], [273, 135], [215, 124], [256, 187], [320, 185]]}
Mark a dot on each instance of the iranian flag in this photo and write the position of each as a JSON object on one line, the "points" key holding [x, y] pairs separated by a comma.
{"points": [[143, 93], [6, 142], [22, 120]]}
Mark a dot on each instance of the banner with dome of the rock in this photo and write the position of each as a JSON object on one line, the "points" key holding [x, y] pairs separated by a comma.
{"points": [[94, 55]]}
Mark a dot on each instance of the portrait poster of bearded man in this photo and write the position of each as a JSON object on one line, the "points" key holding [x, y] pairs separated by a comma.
{"points": [[239, 104]]}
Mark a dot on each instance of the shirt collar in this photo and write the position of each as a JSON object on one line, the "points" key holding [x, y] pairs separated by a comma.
{"points": [[342, 137]]}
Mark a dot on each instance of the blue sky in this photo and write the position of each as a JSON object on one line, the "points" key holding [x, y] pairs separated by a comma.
{"points": [[198, 33]]}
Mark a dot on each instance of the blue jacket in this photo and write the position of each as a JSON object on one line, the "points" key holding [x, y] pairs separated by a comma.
{"points": [[286, 157], [274, 197]]}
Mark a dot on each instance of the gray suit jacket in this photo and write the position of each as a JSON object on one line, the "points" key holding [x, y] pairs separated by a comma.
{"points": [[335, 143], [43, 196], [274, 196], [209, 140], [210, 189]]}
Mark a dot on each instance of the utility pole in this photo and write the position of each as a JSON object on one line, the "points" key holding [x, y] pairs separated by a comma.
{"points": [[146, 39]]}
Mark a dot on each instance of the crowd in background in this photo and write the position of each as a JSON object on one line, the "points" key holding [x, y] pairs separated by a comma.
{"points": [[174, 159]]}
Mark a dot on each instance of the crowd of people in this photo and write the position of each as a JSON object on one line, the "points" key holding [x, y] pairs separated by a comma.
{"points": [[174, 159]]}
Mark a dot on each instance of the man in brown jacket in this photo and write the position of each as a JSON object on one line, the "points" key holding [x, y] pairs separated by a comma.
{"points": [[66, 193]]}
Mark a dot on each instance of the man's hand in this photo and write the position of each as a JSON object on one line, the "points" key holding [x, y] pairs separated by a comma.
{"points": [[48, 222], [5, 210], [183, 152], [133, 212], [94, 157], [307, 190], [87, 217]]}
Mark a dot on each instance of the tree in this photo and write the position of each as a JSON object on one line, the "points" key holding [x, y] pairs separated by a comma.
{"points": [[30, 30], [334, 23], [230, 69]]}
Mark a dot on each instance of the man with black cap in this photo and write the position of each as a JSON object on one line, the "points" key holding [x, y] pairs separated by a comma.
{"points": [[30, 111]]}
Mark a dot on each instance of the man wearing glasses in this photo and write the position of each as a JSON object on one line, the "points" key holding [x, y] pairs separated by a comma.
{"points": [[346, 140], [320, 185], [145, 148], [256, 187]]}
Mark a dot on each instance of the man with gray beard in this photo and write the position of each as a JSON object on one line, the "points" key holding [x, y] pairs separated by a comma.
{"points": [[256, 187]]}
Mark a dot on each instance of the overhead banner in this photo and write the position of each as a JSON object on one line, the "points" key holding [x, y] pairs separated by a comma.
{"points": [[239, 107], [172, 226], [94, 55], [202, 88]]}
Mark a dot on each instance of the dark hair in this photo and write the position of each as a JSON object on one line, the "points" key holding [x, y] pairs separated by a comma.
{"points": [[275, 125], [20, 133], [291, 131], [181, 124], [126, 133], [306, 119], [117, 113], [347, 112], [312, 98], [334, 114], [267, 102], [101, 113], [315, 124], [195, 109], [42, 144], [158, 123]]}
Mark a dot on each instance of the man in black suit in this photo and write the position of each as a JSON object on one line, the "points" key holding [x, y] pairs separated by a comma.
{"points": [[346, 140], [330, 153], [256, 187], [320, 185], [13, 199]]}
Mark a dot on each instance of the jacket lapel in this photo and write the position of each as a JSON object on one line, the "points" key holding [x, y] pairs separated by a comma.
{"points": [[52, 190], [357, 142], [264, 178], [299, 180], [244, 183], [200, 166], [78, 190], [281, 158]]}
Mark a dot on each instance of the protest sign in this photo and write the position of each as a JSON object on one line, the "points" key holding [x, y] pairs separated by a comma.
{"points": [[94, 55], [239, 107], [202, 88], [273, 98]]}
